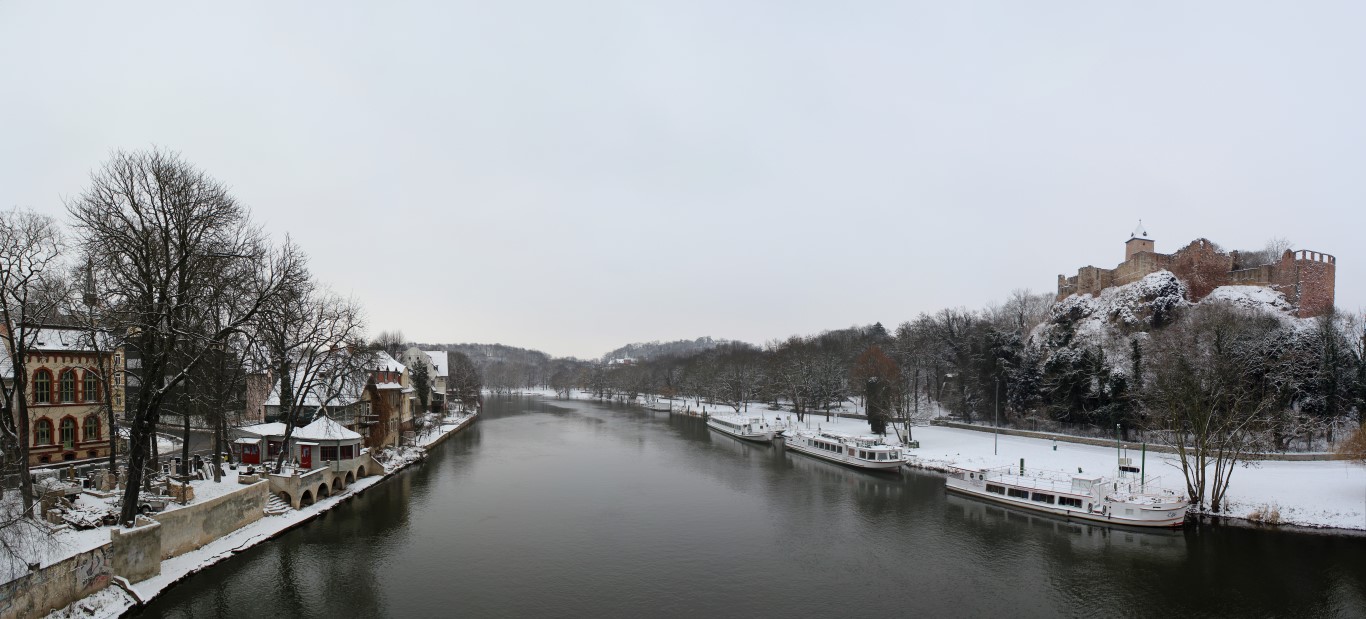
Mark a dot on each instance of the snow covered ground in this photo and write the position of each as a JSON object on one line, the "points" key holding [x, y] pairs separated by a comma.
{"points": [[1321, 494], [1313, 494]]}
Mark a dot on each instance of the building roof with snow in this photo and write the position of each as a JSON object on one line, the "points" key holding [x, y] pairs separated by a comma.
{"points": [[1140, 233], [273, 428], [325, 429], [438, 362], [384, 363]]}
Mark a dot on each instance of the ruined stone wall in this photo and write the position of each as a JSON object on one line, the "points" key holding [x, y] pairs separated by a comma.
{"points": [[1308, 279], [1202, 266], [39, 592], [1317, 278]]}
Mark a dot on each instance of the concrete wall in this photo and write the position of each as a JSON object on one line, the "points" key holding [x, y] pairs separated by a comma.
{"points": [[190, 527], [57, 585], [136, 552]]}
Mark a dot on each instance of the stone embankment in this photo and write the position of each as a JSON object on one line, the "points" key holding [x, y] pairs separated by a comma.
{"points": [[165, 548]]}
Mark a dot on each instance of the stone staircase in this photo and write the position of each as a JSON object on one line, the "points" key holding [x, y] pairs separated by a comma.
{"points": [[276, 506]]}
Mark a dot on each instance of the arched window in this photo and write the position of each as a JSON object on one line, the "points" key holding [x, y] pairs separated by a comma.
{"points": [[91, 388], [90, 429], [42, 432], [66, 386], [42, 386], [68, 433]]}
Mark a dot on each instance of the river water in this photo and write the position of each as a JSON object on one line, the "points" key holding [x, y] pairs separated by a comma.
{"points": [[577, 509]]}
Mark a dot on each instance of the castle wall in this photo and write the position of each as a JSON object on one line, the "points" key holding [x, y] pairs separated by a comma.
{"points": [[1317, 276], [1202, 266], [1308, 279]]}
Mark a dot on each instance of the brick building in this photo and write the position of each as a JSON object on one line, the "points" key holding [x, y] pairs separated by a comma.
{"points": [[1306, 278], [67, 420]]}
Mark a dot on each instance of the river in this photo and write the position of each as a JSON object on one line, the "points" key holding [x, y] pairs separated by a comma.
{"points": [[578, 509]]}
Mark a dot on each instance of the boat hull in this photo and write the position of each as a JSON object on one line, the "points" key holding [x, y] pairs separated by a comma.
{"points": [[758, 437], [888, 465], [1165, 518]]}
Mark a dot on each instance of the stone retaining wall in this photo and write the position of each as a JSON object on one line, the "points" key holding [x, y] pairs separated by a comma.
{"points": [[55, 586], [192, 526]]}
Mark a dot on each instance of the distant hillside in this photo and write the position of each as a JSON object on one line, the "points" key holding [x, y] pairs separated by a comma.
{"points": [[651, 350], [484, 355]]}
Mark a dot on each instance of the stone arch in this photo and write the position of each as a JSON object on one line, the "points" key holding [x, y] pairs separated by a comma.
{"points": [[350, 479], [360, 472], [306, 499], [323, 492], [337, 484], [285, 497]]}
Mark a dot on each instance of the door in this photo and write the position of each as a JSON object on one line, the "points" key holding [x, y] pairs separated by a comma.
{"points": [[306, 456]]}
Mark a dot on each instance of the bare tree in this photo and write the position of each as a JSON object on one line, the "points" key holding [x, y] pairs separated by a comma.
{"points": [[307, 335], [465, 385], [31, 290], [1203, 401], [390, 342], [174, 247]]}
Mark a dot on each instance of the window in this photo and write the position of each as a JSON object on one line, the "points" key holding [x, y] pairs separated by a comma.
{"points": [[68, 433], [329, 453], [995, 489], [1019, 494], [348, 452], [42, 387], [1042, 498], [1069, 502], [91, 388], [42, 432], [90, 429], [66, 386]]}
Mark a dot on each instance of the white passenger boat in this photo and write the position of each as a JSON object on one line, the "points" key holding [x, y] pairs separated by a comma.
{"points": [[741, 427], [1116, 500], [867, 452]]}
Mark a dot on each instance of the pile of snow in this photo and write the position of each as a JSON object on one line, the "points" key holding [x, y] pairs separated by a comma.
{"points": [[1255, 298]]}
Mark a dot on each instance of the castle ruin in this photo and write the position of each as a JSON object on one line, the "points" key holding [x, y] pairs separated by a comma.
{"points": [[1306, 278]]}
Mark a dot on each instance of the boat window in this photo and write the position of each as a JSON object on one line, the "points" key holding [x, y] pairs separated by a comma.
{"points": [[995, 489], [1019, 494], [1069, 501], [1042, 498], [1128, 512]]}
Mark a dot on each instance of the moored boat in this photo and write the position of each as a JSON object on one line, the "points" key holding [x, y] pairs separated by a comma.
{"points": [[746, 428], [1117, 500], [867, 452]]}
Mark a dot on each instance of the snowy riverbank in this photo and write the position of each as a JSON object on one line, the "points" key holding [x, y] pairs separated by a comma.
{"points": [[119, 598], [1316, 494]]}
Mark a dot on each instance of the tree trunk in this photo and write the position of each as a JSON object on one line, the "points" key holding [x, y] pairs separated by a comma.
{"points": [[185, 446], [24, 430], [137, 459]]}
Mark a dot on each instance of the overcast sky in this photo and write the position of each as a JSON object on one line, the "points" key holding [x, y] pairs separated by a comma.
{"points": [[573, 176]]}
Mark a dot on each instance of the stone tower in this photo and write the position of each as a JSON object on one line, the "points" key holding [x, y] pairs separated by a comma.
{"points": [[1138, 242]]}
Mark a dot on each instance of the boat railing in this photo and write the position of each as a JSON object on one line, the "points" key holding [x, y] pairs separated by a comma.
{"points": [[1034, 479]]}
